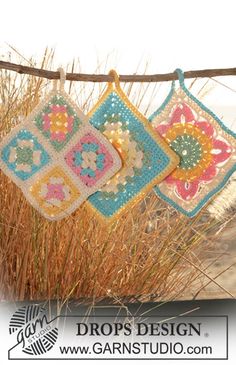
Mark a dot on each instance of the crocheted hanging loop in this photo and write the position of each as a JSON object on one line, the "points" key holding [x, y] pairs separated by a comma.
{"points": [[60, 84], [56, 157], [146, 158], [206, 148], [116, 81], [180, 74]]}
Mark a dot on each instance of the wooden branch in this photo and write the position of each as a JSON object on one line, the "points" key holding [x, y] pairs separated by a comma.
{"points": [[123, 78]]}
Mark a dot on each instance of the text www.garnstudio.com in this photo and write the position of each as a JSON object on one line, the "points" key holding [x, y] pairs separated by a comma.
{"points": [[135, 348]]}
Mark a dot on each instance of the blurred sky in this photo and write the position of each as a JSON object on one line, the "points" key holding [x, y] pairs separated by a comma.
{"points": [[167, 33]]}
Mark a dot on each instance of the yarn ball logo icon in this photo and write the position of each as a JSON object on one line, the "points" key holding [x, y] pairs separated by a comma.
{"points": [[34, 332]]}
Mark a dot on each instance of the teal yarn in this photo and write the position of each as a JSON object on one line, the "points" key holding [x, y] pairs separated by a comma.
{"points": [[155, 159], [24, 155], [34, 156], [218, 182], [180, 74]]}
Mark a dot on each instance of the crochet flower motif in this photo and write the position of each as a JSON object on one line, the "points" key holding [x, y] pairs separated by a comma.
{"points": [[146, 157], [55, 191], [91, 160], [58, 122], [206, 147], [54, 194], [56, 157], [23, 155], [199, 149], [132, 156]]}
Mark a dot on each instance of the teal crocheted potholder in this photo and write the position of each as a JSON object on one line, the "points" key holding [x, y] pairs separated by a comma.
{"points": [[146, 158], [206, 147]]}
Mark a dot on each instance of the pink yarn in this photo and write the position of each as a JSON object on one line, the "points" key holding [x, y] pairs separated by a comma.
{"points": [[221, 151], [58, 109], [107, 163], [58, 136], [55, 191]]}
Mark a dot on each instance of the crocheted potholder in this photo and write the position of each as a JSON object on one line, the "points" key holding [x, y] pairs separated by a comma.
{"points": [[146, 158], [56, 157], [205, 146]]}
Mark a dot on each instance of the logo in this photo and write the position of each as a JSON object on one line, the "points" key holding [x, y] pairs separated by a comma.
{"points": [[34, 332]]}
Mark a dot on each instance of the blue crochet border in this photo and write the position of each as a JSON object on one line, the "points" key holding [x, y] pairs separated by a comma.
{"points": [[224, 127]]}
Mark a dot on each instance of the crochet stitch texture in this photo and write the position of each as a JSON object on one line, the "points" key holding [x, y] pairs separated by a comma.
{"points": [[206, 148], [56, 157], [146, 157]]}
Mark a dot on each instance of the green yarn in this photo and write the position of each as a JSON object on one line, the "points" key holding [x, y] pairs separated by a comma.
{"points": [[24, 155], [189, 150]]}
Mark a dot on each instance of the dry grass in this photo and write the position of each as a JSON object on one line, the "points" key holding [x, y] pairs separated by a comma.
{"points": [[151, 252]]}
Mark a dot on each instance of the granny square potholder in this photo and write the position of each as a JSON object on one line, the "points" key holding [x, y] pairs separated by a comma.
{"points": [[206, 148], [56, 157], [146, 157]]}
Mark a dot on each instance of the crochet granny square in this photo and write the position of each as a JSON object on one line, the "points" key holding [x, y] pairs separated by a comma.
{"points": [[92, 159], [23, 155], [53, 193], [57, 158], [57, 121], [146, 157], [206, 148]]}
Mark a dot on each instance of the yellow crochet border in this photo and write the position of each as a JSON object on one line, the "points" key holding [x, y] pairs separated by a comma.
{"points": [[174, 159]]}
